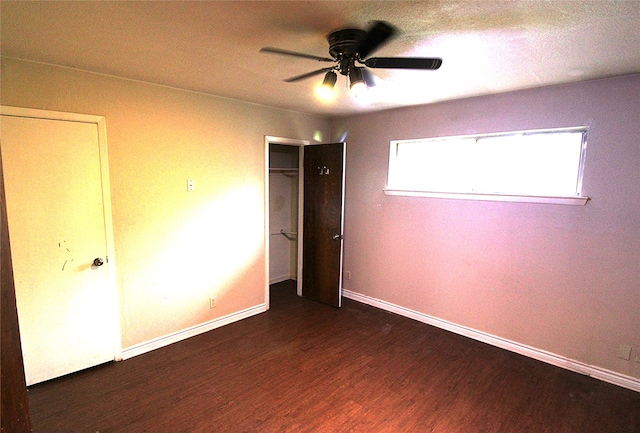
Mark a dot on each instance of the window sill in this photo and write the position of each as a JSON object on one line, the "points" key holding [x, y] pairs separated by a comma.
{"points": [[572, 201]]}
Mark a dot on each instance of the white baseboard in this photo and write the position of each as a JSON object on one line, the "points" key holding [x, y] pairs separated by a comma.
{"points": [[174, 337], [531, 352]]}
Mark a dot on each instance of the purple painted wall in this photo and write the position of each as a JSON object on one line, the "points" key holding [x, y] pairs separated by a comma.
{"points": [[562, 279]]}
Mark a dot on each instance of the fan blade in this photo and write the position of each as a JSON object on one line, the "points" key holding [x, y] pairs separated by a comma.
{"points": [[369, 78], [377, 35], [308, 75], [403, 63], [295, 54]]}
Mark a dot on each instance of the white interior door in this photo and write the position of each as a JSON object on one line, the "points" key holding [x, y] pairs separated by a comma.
{"points": [[58, 226]]}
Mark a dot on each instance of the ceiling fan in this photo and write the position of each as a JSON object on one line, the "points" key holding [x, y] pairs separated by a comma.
{"points": [[351, 47]]}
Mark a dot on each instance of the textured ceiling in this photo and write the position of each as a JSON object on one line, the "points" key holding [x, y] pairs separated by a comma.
{"points": [[213, 47]]}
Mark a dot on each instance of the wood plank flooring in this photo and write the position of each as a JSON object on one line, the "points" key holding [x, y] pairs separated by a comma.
{"points": [[309, 367]]}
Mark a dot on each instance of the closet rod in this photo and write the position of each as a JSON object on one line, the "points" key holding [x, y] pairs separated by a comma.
{"points": [[288, 235]]}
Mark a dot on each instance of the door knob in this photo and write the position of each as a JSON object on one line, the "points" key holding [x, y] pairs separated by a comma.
{"points": [[98, 261], [336, 237]]}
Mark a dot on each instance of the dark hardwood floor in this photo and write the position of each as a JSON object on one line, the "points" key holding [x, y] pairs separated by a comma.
{"points": [[309, 367]]}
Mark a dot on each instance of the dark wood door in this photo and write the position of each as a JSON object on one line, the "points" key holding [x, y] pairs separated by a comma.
{"points": [[322, 222]]}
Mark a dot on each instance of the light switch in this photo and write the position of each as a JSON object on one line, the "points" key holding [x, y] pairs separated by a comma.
{"points": [[190, 185]]}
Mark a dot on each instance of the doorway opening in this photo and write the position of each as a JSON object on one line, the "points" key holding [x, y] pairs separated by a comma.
{"points": [[284, 222], [304, 238]]}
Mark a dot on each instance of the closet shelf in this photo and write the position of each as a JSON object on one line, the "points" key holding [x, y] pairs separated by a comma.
{"points": [[284, 171]]}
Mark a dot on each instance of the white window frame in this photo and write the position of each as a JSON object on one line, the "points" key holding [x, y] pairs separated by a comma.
{"points": [[393, 188]]}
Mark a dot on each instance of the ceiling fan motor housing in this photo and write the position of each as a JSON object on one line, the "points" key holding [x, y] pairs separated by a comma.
{"points": [[342, 47]]}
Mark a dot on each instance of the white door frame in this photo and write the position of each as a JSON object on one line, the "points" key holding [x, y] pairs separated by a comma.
{"points": [[286, 142], [100, 123]]}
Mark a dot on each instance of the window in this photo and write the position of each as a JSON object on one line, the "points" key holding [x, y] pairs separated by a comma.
{"points": [[535, 166]]}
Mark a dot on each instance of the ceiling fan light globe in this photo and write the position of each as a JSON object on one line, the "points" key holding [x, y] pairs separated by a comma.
{"points": [[357, 84], [330, 80], [325, 90], [358, 89], [325, 93]]}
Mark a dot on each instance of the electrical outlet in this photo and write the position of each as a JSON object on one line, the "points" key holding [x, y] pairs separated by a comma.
{"points": [[624, 352], [347, 275], [190, 185], [212, 302]]}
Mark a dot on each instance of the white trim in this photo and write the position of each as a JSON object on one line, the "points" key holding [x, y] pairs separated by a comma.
{"points": [[267, 229], [201, 328], [7, 110], [300, 245], [290, 141], [342, 212], [605, 375], [109, 236], [100, 123], [574, 201]]}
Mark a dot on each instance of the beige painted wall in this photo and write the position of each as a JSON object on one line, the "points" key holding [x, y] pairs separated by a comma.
{"points": [[562, 279], [174, 249], [283, 215]]}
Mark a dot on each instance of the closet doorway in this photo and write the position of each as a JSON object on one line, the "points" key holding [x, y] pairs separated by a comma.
{"points": [[304, 224], [285, 193]]}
